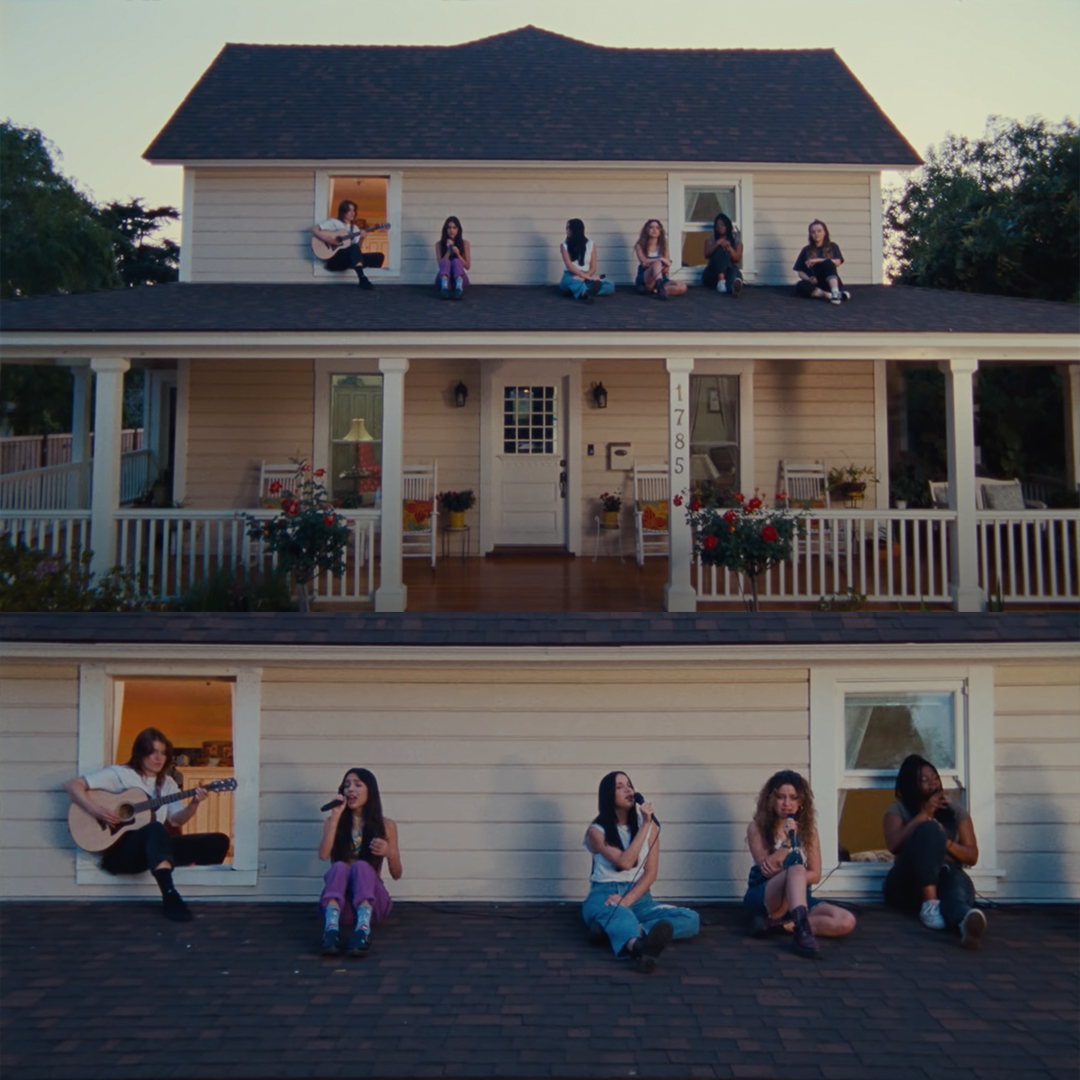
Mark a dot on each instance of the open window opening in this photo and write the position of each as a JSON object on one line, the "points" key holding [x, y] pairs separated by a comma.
{"points": [[694, 200], [378, 208], [196, 715]]}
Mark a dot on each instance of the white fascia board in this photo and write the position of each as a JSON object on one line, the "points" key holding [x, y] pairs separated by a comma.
{"points": [[484, 165], [631, 345], [877, 657]]}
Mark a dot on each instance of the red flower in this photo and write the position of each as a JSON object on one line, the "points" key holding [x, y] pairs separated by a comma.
{"points": [[781, 496], [754, 504], [739, 497], [729, 516], [320, 472], [769, 534], [695, 505], [305, 467], [290, 507], [275, 487], [709, 542], [329, 520], [678, 501]]}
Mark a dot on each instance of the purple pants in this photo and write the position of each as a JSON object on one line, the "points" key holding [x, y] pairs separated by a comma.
{"points": [[350, 885], [452, 268]]}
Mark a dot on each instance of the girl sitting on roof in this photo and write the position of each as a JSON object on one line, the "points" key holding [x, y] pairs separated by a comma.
{"points": [[724, 251], [580, 279], [654, 261], [356, 838], [624, 841], [818, 267], [783, 840], [452, 253]]}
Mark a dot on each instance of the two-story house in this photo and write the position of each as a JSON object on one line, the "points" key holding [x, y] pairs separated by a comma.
{"points": [[488, 735]]}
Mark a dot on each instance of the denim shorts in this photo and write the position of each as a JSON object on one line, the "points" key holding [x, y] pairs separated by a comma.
{"points": [[754, 899], [640, 281]]}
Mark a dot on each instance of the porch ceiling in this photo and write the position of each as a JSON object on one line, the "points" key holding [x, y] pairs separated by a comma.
{"points": [[186, 319]]}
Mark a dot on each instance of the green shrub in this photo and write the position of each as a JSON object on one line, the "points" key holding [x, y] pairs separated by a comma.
{"points": [[225, 590], [32, 580]]}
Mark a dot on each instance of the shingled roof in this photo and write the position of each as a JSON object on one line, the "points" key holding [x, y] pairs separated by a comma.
{"points": [[530, 95], [241, 308]]}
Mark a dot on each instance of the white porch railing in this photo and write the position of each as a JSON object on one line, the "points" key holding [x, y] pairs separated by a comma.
{"points": [[172, 550], [21, 452], [138, 471], [1030, 555], [58, 532], [892, 556], [53, 488]]}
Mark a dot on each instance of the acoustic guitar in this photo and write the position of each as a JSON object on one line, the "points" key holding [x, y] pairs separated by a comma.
{"points": [[325, 251], [133, 806]]}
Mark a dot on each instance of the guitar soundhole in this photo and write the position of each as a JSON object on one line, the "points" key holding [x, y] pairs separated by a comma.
{"points": [[125, 812]]}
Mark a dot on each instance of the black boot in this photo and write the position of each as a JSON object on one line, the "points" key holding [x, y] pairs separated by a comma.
{"points": [[805, 942]]}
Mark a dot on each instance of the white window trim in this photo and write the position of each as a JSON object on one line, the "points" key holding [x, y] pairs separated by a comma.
{"points": [[744, 197], [96, 720], [828, 685], [320, 212]]}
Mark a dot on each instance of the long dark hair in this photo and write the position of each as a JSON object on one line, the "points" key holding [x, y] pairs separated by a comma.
{"points": [[576, 244], [374, 826], [765, 819], [343, 206], [730, 234], [605, 803], [444, 239], [661, 240], [826, 244], [143, 747], [910, 794]]}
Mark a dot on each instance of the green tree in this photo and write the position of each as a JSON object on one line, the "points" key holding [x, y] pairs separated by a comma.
{"points": [[999, 214], [140, 260], [51, 237]]}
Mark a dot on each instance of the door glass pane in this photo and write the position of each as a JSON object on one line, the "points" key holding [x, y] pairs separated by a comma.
{"points": [[714, 435], [880, 730], [355, 448], [530, 420]]}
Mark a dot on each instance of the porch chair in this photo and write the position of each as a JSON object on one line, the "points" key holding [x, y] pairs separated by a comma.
{"points": [[989, 495], [270, 474], [807, 484], [651, 510], [420, 511]]}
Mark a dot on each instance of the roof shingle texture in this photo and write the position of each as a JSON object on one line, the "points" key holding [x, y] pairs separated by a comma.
{"points": [[530, 628], [327, 306], [529, 95]]}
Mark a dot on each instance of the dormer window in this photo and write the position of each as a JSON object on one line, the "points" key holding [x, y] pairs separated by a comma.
{"points": [[378, 203], [694, 200]]}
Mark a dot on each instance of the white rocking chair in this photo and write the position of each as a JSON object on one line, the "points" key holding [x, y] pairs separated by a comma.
{"points": [[420, 511], [651, 509]]}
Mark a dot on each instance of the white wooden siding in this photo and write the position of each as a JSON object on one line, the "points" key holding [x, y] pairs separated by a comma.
{"points": [[253, 225], [812, 411], [241, 413], [1037, 741], [492, 774], [39, 727]]}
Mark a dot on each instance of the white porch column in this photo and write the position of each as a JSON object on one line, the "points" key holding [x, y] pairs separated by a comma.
{"points": [[960, 434], [1070, 381], [80, 431], [679, 594], [390, 595], [105, 482]]}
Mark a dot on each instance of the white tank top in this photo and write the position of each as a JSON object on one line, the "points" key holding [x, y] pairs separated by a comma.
{"points": [[602, 870]]}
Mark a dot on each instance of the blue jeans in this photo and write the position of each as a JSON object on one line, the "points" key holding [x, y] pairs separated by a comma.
{"points": [[577, 287], [622, 924]]}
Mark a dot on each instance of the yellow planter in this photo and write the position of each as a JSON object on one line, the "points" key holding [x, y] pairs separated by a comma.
{"points": [[457, 519], [610, 519]]}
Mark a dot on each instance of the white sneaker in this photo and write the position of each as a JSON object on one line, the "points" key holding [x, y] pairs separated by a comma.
{"points": [[930, 915], [972, 929], [834, 296], [844, 294], [721, 287]]}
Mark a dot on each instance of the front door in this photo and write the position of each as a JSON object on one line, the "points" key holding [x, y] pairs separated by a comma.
{"points": [[529, 474]]}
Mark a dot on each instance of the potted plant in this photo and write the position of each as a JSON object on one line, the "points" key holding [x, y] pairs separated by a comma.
{"points": [[849, 481], [746, 537], [612, 503], [455, 503], [307, 536]]}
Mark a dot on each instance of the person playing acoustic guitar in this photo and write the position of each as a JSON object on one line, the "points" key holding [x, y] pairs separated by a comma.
{"points": [[152, 847], [348, 255]]}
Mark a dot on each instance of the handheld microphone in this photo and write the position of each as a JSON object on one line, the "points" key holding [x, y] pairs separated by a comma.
{"points": [[639, 799], [332, 805], [793, 834]]}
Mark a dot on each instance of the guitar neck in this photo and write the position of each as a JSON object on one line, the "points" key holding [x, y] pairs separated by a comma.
{"points": [[163, 800]]}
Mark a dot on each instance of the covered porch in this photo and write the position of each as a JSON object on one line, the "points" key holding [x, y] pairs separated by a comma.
{"points": [[245, 395]]}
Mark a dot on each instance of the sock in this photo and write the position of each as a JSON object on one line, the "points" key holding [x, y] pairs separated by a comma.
{"points": [[458, 284], [444, 283], [164, 880], [363, 917], [331, 917]]}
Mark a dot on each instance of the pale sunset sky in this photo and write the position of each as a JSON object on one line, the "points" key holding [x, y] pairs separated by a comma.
{"points": [[101, 77]]}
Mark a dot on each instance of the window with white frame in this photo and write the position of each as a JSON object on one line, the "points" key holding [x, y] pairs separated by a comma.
{"points": [[378, 207], [694, 200], [212, 719]]}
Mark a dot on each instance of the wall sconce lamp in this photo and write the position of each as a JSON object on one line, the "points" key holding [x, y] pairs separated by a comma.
{"points": [[600, 396], [461, 393]]}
